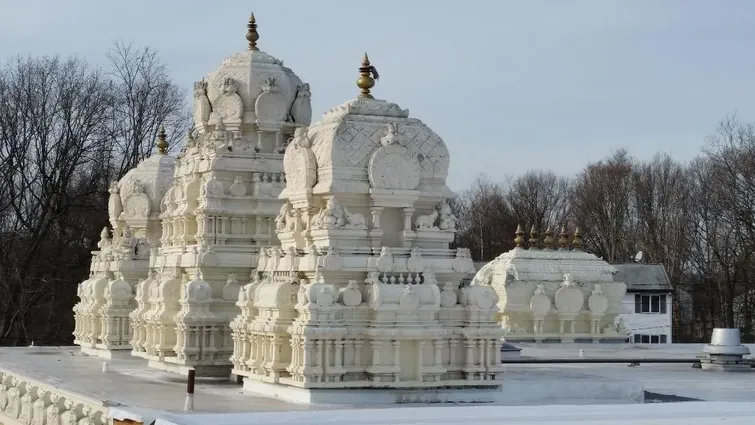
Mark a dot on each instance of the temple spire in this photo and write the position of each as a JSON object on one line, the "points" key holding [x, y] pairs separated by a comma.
{"points": [[534, 241], [577, 241], [162, 141], [252, 35], [563, 241], [367, 76], [519, 239], [548, 241]]}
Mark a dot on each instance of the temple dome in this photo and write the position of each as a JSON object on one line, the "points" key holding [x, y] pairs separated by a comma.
{"points": [[143, 187], [252, 87], [365, 144]]}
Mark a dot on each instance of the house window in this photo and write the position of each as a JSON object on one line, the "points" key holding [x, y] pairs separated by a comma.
{"points": [[650, 303], [649, 339]]}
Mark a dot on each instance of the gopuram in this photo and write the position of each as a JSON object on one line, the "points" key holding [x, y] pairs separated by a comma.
{"points": [[555, 291], [101, 317], [363, 291], [198, 221], [298, 256]]}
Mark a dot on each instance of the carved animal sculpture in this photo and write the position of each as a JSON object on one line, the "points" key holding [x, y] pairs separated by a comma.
{"points": [[426, 221]]}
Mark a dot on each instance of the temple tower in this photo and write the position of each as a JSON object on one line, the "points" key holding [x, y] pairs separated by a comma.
{"points": [[102, 325], [219, 209], [363, 291]]}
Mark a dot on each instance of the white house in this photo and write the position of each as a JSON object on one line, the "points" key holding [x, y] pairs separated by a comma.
{"points": [[647, 302]]}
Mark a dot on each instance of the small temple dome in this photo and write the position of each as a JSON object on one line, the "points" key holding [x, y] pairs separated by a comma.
{"points": [[364, 144], [252, 87], [143, 187]]}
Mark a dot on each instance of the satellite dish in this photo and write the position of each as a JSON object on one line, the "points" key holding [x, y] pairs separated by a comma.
{"points": [[638, 257]]}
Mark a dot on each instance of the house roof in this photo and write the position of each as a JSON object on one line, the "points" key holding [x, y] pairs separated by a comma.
{"points": [[642, 277]]}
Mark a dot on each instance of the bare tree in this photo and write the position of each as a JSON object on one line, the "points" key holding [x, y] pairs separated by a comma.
{"points": [[52, 115], [726, 219], [601, 207], [662, 195], [539, 199], [144, 98], [66, 131], [486, 224]]}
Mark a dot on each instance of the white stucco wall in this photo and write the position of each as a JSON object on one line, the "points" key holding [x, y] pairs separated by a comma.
{"points": [[647, 323]]}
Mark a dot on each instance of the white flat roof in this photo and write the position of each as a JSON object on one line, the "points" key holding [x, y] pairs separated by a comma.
{"points": [[132, 386]]}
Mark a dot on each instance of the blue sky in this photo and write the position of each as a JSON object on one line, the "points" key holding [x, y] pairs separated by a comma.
{"points": [[509, 85]]}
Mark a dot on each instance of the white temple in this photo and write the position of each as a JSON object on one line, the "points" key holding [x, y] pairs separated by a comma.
{"points": [[325, 267], [351, 302], [218, 211], [107, 298], [555, 294]]}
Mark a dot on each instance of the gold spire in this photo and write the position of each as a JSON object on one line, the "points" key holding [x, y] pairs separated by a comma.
{"points": [[519, 239], [533, 238], [162, 141], [577, 241], [563, 241], [548, 241], [367, 76], [252, 35]]}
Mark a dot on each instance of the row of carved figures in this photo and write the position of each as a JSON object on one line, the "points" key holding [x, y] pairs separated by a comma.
{"points": [[31, 402], [334, 215]]}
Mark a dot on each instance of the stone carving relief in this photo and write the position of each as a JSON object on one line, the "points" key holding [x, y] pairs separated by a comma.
{"points": [[427, 221], [332, 261], [30, 402], [114, 205], [441, 218], [231, 288], [393, 166], [137, 204], [350, 296], [299, 162], [202, 107], [229, 106], [415, 263], [284, 221], [598, 304], [448, 296], [463, 261], [301, 110], [447, 217], [540, 305], [271, 105], [335, 216], [364, 107], [569, 301], [237, 188], [384, 261]]}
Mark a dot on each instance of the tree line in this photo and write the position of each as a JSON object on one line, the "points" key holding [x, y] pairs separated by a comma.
{"points": [[697, 219], [68, 129]]}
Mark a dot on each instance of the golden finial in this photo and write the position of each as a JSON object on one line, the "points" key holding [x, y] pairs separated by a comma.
{"points": [[577, 241], [563, 241], [367, 76], [533, 238], [162, 141], [519, 239], [548, 241], [251, 34]]}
